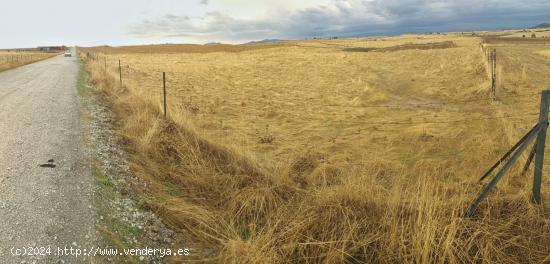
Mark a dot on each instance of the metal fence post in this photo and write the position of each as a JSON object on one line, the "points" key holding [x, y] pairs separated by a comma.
{"points": [[529, 160], [541, 140], [164, 91], [530, 136]]}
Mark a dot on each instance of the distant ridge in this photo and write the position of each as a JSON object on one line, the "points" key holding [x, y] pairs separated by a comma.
{"points": [[265, 41], [543, 25]]}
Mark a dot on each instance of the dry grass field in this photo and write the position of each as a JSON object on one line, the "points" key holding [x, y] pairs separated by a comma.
{"points": [[10, 60], [333, 151], [539, 33]]}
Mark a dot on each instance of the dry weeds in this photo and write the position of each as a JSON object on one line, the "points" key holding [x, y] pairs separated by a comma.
{"points": [[9, 60], [335, 182]]}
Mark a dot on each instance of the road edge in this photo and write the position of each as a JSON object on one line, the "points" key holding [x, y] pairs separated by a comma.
{"points": [[123, 223]]}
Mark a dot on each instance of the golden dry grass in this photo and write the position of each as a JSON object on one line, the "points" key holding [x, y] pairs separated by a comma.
{"points": [[285, 154], [539, 33], [545, 53], [9, 60]]}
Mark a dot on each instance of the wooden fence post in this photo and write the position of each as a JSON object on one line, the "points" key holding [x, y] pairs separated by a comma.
{"points": [[120, 72], [494, 73], [541, 140], [164, 91]]}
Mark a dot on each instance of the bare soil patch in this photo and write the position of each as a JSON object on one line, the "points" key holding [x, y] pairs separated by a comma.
{"points": [[424, 46]]}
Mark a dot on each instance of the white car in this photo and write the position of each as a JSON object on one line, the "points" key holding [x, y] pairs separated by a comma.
{"points": [[68, 54]]}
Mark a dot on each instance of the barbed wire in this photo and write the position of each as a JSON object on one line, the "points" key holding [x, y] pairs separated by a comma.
{"points": [[405, 106], [370, 123], [159, 72], [408, 105], [374, 122]]}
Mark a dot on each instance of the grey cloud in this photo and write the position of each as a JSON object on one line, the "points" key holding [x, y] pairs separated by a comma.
{"points": [[354, 17]]}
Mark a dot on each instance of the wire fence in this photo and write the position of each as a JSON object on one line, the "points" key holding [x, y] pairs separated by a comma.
{"points": [[374, 123], [146, 78], [6, 58]]}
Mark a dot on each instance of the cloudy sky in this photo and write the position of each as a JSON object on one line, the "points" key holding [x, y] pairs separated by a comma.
{"points": [[29, 23]]}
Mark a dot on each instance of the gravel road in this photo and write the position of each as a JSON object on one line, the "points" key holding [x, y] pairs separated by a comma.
{"points": [[40, 121]]}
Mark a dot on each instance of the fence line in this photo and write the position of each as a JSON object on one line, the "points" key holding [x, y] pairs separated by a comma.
{"points": [[18, 58], [464, 101], [494, 74], [507, 161], [164, 94]]}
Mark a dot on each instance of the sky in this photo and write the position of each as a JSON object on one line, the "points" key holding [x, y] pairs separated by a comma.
{"points": [[31, 23]]}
